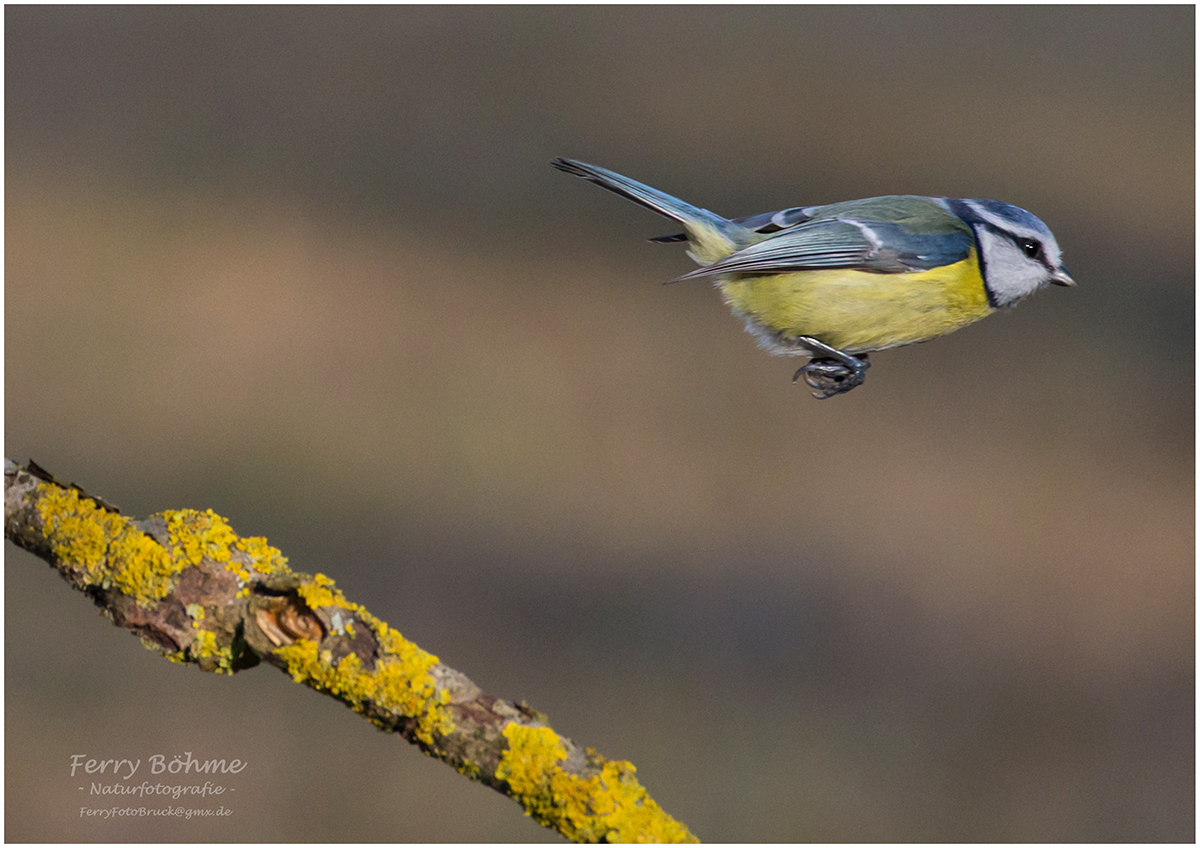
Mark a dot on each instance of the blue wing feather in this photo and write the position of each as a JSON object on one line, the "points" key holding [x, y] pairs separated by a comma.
{"points": [[881, 246]]}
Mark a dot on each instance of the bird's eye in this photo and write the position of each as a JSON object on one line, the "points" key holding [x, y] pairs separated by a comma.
{"points": [[1029, 247]]}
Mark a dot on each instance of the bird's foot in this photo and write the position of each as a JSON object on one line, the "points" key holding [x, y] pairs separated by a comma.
{"points": [[834, 373]]}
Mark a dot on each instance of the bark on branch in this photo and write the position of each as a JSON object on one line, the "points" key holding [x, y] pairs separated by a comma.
{"points": [[196, 592]]}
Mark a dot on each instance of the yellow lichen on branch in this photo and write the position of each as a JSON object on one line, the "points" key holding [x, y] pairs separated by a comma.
{"points": [[611, 806], [400, 684], [106, 547], [197, 593]]}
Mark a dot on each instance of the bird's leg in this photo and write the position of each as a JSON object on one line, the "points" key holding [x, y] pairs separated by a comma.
{"points": [[831, 371]]}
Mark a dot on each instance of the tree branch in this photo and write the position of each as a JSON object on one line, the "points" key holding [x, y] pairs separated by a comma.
{"points": [[196, 592]]}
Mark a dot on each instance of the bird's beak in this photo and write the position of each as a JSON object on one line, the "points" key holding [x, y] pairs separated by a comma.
{"points": [[1061, 278]]}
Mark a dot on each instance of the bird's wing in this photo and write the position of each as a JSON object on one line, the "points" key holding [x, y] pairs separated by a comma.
{"points": [[844, 242], [765, 223], [773, 222]]}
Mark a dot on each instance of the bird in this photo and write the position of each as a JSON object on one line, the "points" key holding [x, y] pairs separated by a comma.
{"points": [[840, 281]]}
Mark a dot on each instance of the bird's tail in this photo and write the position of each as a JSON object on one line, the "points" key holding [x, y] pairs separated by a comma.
{"points": [[712, 236]]}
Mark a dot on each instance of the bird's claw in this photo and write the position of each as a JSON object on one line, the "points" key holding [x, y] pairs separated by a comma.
{"points": [[829, 377]]}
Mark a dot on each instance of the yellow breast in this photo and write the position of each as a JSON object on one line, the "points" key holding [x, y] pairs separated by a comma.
{"points": [[858, 311]]}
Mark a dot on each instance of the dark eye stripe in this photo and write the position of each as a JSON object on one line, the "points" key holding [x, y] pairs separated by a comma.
{"points": [[1031, 247], [1039, 254]]}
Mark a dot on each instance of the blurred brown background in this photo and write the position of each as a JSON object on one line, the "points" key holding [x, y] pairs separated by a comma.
{"points": [[311, 268]]}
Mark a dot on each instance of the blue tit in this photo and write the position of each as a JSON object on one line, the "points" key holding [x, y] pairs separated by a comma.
{"points": [[836, 282]]}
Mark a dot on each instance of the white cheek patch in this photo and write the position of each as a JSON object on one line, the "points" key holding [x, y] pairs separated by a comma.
{"points": [[1009, 274]]}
